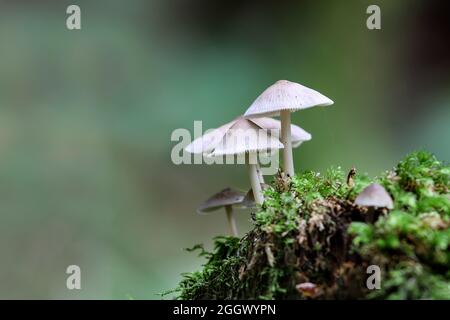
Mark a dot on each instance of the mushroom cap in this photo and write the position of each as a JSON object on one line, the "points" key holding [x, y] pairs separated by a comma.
{"points": [[245, 136], [374, 196], [210, 140], [249, 199], [226, 197], [285, 95]]}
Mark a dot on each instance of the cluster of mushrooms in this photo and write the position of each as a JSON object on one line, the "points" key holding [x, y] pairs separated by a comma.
{"points": [[280, 99]]}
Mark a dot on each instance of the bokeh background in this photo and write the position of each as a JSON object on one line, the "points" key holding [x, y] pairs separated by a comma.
{"points": [[86, 118]]}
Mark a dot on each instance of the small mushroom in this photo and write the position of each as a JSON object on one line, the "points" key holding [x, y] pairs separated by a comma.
{"points": [[374, 196], [240, 136], [308, 289], [226, 198], [282, 98]]}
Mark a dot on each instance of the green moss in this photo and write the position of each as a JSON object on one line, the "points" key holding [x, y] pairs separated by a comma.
{"points": [[309, 230]]}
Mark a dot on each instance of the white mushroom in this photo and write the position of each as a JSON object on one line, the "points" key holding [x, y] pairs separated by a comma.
{"points": [[282, 98], [209, 142], [374, 196], [226, 198]]}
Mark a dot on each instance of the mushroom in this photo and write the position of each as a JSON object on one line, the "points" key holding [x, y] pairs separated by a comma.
{"points": [[209, 140], [374, 196], [282, 98], [208, 143], [246, 137], [308, 289], [226, 199]]}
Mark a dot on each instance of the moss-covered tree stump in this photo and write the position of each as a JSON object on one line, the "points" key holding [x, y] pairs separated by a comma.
{"points": [[310, 241]]}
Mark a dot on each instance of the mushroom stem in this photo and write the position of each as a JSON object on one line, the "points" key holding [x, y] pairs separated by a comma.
{"points": [[370, 215], [288, 162], [231, 221], [254, 180], [260, 175]]}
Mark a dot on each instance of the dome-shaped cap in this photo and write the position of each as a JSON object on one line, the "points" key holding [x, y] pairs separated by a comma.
{"points": [[374, 196], [226, 197], [209, 141], [249, 199], [286, 95]]}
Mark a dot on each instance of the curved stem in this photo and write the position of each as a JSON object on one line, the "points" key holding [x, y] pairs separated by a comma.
{"points": [[286, 141], [254, 180], [231, 221], [260, 175]]}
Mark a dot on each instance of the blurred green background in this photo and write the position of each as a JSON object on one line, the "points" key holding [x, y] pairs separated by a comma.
{"points": [[86, 118]]}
